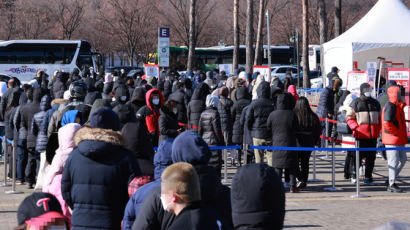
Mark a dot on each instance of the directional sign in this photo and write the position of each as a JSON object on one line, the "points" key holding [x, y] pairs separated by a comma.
{"points": [[163, 47]]}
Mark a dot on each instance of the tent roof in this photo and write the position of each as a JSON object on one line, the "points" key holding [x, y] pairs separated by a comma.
{"points": [[387, 24]]}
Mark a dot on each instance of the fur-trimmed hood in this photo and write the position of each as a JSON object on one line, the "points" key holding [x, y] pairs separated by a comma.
{"points": [[97, 134]]}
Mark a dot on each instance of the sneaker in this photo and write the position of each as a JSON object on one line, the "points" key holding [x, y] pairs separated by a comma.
{"points": [[294, 189], [394, 188], [353, 180], [30, 186], [301, 185], [369, 181]]}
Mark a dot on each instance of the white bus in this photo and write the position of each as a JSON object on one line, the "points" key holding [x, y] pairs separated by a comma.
{"points": [[23, 58], [314, 57]]}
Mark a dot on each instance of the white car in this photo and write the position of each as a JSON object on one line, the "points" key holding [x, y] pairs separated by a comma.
{"points": [[280, 71]]}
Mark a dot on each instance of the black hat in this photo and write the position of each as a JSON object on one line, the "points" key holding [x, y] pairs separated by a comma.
{"points": [[36, 205], [105, 118]]}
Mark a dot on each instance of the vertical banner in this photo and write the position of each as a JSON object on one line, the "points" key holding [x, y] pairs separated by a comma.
{"points": [[264, 71], [163, 47], [354, 80], [402, 77], [151, 70], [371, 73]]}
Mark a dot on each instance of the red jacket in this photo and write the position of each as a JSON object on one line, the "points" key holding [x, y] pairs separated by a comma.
{"points": [[151, 120], [393, 120]]}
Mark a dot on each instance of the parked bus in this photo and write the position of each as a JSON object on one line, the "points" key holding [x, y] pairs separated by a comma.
{"points": [[314, 57], [23, 58], [215, 55]]}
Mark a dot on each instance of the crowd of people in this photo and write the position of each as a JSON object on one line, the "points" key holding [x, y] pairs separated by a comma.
{"points": [[89, 141]]}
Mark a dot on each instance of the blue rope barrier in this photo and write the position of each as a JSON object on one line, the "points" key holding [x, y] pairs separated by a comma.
{"points": [[326, 149], [9, 141], [304, 148], [225, 147], [2, 138]]}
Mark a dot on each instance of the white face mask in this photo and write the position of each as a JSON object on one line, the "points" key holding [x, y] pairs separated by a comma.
{"points": [[164, 205], [368, 94], [155, 101], [175, 110]]}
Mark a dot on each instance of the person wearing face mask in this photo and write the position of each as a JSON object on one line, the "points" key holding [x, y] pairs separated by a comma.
{"points": [[394, 134], [181, 195], [168, 123], [365, 121], [150, 113]]}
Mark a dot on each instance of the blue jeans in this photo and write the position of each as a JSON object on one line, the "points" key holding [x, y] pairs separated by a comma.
{"points": [[21, 159]]}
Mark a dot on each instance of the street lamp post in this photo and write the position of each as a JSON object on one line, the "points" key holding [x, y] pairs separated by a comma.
{"points": [[295, 40], [268, 33]]}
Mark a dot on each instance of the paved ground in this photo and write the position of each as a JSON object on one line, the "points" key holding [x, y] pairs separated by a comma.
{"points": [[310, 209]]}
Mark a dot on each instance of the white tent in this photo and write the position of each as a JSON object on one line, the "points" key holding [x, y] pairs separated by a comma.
{"points": [[383, 32]]}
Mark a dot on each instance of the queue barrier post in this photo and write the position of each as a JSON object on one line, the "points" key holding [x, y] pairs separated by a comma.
{"points": [[6, 159], [326, 141], [358, 195], [14, 162], [245, 154], [314, 179], [225, 155], [333, 188]]}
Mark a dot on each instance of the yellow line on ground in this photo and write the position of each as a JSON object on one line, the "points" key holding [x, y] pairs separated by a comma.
{"points": [[348, 198]]}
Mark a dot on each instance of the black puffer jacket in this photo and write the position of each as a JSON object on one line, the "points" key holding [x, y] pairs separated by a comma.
{"points": [[10, 111], [139, 142], [168, 125], [20, 132], [167, 89], [242, 100], [283, 124], [27, 114], [91, 97], [42, 138], [137, 99], [179, 97], [259, 111], [258, 198], [210, 127], [224, 109], [195, 107], [96, 177], [59, 86]]}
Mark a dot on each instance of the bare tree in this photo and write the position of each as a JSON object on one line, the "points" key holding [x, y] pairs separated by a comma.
{"points": [[68, 14], [338, 17], [236, 41], [34, 20], [191, 40], [259, 37], [8, 18], [127, 22], [322, 21], [305, 44], [249, 36], [175, 14]]}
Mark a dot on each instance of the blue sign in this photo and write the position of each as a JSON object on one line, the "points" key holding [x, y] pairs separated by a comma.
{"points": [[164, 32]]}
